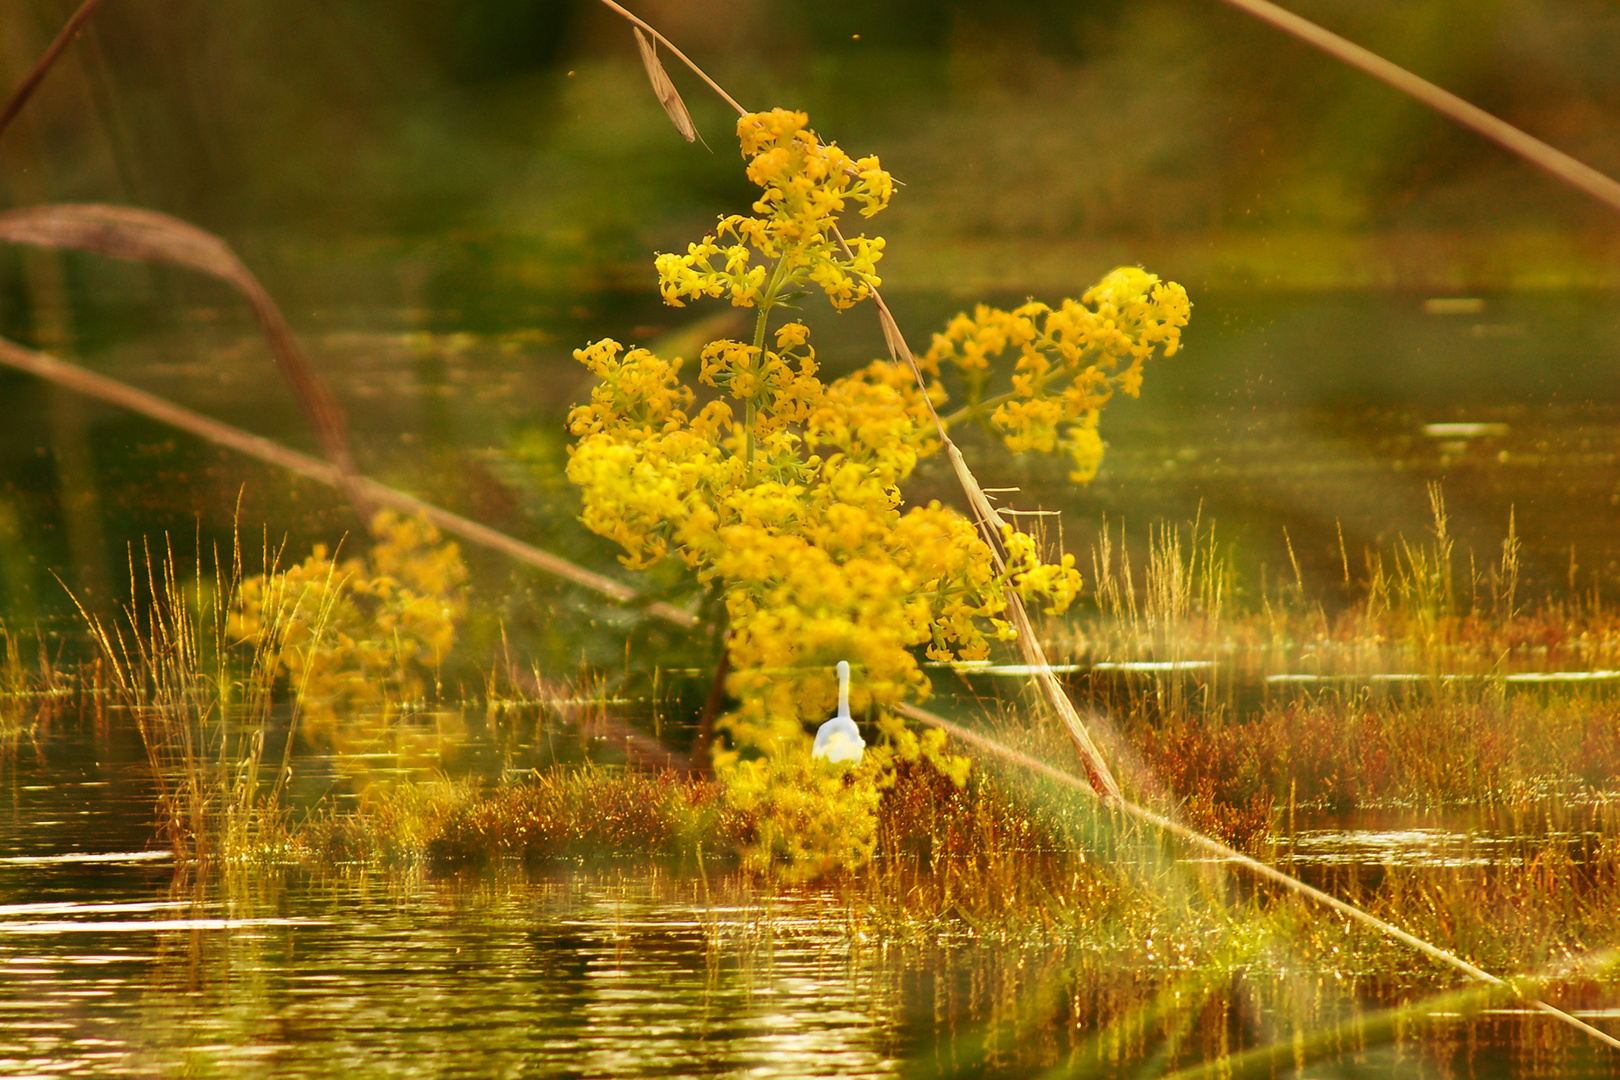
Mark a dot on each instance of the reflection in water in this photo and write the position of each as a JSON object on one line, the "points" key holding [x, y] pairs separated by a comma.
{"points": [[117, 962], [1398, 847], [85, 857], [590, 973]]}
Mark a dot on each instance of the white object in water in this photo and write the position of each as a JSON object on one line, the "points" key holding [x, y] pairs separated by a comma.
{"points": [[839, 739]]}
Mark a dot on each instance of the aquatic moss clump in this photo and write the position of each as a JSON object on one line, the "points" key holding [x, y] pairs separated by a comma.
{"points": [[587, 812]]}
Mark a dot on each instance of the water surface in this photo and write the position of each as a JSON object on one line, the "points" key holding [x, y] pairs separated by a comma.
{"points": [[117, 961]]}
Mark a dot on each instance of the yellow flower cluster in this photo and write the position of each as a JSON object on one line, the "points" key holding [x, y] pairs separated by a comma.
{"points": [[817, 557], [783, 492], [1070, 361], [806, 184], [810, 542], [803, 814], [356, 639], [1058, 584]]}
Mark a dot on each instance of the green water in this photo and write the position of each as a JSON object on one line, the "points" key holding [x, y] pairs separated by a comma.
{"points": [[1286, 420], [118, 962], [1305, 413]]}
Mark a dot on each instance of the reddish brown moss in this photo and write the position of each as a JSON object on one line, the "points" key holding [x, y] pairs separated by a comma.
{"points": [[1339, 752], [587, 811]]}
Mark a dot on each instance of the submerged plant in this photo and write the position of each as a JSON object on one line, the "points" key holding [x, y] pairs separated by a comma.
{"points": [[781, 492]]}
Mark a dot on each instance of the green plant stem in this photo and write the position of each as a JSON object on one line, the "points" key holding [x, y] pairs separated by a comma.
{"points": [[760, 325], [977, 409], [767, 301]]}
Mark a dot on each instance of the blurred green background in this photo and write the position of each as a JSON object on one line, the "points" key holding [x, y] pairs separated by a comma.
{"points": [[447, 196], [485, 155]]}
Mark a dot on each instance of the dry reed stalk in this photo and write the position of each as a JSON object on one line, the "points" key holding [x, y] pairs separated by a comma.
{"points": [[1575, 173], [147, 236], [642, 24], [991, 525], [1367, 1030], [126, 232], [30, 82], [1254, 866], [256, 446]]}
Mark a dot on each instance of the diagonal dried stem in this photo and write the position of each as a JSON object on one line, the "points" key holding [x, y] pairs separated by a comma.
{"points": [[25, 89], [991, 525], [1254, 866], [148, 236], [1575, 173], [637, 21], [125, 396]]}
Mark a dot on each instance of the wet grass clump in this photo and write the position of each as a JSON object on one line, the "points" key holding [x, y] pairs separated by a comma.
{"points": [[587, 812], [1342, 751], [1532, 903], [33, 688], [1439, 684]]}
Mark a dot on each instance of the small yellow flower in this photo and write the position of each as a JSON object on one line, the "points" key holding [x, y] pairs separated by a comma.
{"points": [[805, 185], [1068, 361]]}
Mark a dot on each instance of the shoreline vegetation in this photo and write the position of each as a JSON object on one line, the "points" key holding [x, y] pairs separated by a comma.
{"points": [[1199, 722], [297, 716]]}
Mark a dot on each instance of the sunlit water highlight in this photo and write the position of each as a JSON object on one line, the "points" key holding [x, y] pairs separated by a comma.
{"points": [[117, 962]]}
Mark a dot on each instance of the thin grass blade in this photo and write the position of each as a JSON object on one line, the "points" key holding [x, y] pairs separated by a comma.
{"points": [[25, 89]]}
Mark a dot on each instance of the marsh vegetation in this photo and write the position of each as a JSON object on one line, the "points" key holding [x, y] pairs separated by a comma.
{"points": [[1220, 719]]}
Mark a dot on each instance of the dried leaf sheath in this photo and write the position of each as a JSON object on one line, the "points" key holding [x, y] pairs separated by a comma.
{"points": [[894, 339], [668, 96]]}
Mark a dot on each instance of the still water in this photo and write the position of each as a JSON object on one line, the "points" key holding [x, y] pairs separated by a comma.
{"points": [[116, 961], [1303, 427]]}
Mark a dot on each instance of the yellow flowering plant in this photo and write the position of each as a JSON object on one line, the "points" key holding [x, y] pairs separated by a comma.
{"points": [[358, 639], [781, 491], [1069, 361]]}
